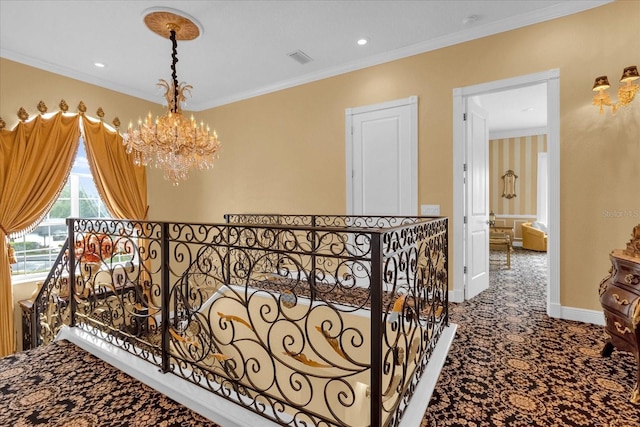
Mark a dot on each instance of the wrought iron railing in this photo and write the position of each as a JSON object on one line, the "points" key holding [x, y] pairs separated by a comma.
{"points": [[308, 320]]}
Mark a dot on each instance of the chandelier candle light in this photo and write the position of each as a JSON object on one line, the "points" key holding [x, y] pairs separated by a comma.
{"points": [[178, 143]]}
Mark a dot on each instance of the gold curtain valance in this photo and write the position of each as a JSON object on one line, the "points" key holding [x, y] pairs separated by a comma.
{"points": [[23, 115]]}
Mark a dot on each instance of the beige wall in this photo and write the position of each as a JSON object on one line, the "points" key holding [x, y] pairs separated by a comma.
{"points": [[285, 151], [519, 154], [22, 86]]}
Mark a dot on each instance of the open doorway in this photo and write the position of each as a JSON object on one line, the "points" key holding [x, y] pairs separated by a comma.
{"points": [[461, 160], [517, 168]]}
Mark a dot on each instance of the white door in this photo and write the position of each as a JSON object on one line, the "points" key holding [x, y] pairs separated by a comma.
{"points": [[382, 156], [477, 200]]}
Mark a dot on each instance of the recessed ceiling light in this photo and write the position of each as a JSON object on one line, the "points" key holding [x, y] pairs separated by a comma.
{"points": [[99, 64], [362, 42]]}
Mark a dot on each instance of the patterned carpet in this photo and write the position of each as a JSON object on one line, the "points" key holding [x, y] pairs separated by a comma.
{"points": [[511, 365], [64, 386]]}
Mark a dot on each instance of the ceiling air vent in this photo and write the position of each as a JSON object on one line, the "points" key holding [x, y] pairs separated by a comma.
{"points": [[300, 57]]}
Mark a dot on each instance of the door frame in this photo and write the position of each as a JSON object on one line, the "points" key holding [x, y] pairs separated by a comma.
{"points": [[552, 79], [411, 101]]}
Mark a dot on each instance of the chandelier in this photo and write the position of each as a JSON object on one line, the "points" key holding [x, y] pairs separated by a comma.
{"points": [[176, 143]]}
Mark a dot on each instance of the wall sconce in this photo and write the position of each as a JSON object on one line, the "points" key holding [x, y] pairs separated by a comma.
{"points": [[626, 91]]}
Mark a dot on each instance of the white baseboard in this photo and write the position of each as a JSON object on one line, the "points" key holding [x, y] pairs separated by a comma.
{"points": [[577, 314], [414, 413], [456, 295]]}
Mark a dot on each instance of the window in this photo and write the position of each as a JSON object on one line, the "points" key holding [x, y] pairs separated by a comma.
{"points": [[37, 251]]}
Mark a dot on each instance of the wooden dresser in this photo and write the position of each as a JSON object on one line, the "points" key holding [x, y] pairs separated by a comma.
{"points": [[620, 299]]}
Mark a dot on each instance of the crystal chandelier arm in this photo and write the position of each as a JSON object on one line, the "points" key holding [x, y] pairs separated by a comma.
{"points": [[167, 91]]}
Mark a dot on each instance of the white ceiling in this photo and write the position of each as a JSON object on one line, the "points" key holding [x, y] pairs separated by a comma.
{"points": [[515, 109], [243, 50]]}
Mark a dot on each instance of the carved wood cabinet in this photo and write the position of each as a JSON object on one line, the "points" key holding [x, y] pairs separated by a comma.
{"points": [[620, 299]]}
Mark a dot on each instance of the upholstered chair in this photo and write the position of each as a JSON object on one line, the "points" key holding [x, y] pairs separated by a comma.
{"points": [[534, 236]]}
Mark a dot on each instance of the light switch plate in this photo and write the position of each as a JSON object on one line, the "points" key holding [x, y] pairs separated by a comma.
{"points": [[430, 210]]}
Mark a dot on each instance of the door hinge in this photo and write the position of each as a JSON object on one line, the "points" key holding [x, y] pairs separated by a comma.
{"points": [[464, 116], [464, 167], [465, 220], [464, 269]]}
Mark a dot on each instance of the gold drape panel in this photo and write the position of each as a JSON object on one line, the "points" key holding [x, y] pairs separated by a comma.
{"points": [[122, 185], [35, 159]]}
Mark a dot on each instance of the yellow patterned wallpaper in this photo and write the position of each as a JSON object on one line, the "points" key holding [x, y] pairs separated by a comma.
{"points": [[519, 154]]}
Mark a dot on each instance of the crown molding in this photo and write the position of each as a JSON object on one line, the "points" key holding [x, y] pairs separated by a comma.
{"points": [[517, 133]]}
